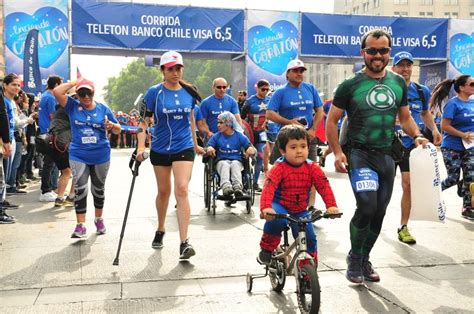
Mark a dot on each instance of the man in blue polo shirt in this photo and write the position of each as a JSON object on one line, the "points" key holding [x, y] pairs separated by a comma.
{"points": [[297, 102], [418, 100], [215, 104]]}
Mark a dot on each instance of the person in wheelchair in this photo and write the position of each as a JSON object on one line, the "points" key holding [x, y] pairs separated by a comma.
{"points": [[287, 188], [226, 146]]}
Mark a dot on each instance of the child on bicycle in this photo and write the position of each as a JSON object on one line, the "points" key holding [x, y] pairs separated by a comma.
{"points": [[227, 145], [287, 188]]}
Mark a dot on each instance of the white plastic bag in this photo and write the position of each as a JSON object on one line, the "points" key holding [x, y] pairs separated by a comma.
{"points": [[426, 201]]}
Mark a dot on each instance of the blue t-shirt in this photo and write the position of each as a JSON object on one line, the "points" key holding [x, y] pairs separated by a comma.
{"points": [[47, 106], [212, 106], [11, 117], [296, 102], [416, 108], [229, 147], [461, 114], [122, 120], [172, 110], [326, 107], [198, 114], [89, 142]]}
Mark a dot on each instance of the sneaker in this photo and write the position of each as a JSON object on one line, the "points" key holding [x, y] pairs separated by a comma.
{"points": [[227, 190], [471, 189], [257, 188], [11, 191], [238, 192], [32, 177], [79, 232], [186, 250], [9, 205], [369, 273], [58, 202], [68, 202], [99, 224], [6, 219], [468, 214], [158, 240], [354, 268], [264, 257], [405, 236], [48, 197]]}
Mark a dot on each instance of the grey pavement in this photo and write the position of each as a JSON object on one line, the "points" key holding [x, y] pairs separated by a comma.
{"points": [[43, 270]]}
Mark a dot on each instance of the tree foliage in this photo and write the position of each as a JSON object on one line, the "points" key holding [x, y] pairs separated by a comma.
{"points": [[122, 90]]}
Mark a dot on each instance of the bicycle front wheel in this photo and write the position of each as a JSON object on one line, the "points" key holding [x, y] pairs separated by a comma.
{"points": [[308, 291]]}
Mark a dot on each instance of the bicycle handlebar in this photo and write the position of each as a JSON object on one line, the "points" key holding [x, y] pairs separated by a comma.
{"points": [[317, 215]]}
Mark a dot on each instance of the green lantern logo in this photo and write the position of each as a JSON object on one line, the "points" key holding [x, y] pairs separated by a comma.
{"points": [[381, 98]]}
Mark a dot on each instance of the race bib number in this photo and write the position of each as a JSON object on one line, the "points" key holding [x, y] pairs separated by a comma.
{"points": [[263, 136], [364, 180], [89, 140], [32, 140]]}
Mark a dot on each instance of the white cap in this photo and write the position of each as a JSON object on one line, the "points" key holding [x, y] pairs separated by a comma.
{"points": [[170, 58], [295, 64]]}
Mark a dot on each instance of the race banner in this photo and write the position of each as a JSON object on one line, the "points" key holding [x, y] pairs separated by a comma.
{"points": [[272, 43], [432, 72], [156, 27], [49, 17], [340, 35], [461, 48], [31, 70]]}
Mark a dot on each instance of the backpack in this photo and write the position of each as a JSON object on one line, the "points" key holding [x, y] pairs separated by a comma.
{"points": [[60, 131]]}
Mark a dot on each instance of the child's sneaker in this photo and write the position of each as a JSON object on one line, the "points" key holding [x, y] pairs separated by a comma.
{"points": [[264, 257], [99, 224], [79, 232], [186, 250]]}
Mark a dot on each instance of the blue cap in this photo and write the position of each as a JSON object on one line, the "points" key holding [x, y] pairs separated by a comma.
{"points": [[402, 55]]}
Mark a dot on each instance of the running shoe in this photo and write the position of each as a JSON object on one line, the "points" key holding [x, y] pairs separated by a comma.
{"points": [[405, 236], [186, 250], [264, 257], [368, 270], [79, 232], [8, 205], [99, 224], [158, 240], [6, 219], [48, 197], [468, 214], [354, 268]]}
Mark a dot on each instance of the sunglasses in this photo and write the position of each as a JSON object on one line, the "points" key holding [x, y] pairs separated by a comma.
{"points": [[298, 70], [221, 87], [264, 89], [373, 51], [83, 92]]}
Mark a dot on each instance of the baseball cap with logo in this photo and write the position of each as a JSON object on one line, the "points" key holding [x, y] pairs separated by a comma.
{"points": [[295, 64], [171, 58], [83, 83], [402, 55]]}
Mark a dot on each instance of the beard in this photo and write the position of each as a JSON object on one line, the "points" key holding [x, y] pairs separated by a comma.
{"points": [[376, 69]]}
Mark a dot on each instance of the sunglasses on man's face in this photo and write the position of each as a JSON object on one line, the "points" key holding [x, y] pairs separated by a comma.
{"points": [[221, 87], [83, 92], [373, 51], [264, 89]]}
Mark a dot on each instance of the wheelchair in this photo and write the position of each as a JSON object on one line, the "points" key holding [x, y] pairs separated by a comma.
{"points": [[212, 190]]}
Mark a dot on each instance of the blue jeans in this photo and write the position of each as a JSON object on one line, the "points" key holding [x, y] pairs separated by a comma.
{"points": [[16, 160], [259, 165]]}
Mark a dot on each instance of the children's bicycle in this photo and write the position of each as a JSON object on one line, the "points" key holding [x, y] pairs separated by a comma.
{"points": [[301, 265]]}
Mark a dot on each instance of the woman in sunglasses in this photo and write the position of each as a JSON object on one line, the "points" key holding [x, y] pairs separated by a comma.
{"points": [[89, 151], [458, 135], [254, 111], [173, 144]]}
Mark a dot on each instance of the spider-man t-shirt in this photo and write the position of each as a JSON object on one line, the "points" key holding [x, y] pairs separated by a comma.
{"points": [[290, 186]]}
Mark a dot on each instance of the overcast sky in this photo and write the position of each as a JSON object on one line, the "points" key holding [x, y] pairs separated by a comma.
{"points": [[100, 68]]}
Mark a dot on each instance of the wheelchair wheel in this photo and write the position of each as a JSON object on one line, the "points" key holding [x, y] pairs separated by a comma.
{"points": [[207, 188], [277, 275], [308, 291]]}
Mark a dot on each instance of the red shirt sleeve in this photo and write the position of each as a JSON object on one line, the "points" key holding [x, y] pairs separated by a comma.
{"points": [[321, 183], [272, 180]]}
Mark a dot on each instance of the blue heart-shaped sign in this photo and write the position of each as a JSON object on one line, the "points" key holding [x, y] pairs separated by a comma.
{"points": [[461, 52], [53, 33], [272, 48]]}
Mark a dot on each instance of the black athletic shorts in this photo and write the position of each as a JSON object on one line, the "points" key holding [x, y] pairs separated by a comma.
{"points": [[404, 164], [167, 159], [61, 160]]}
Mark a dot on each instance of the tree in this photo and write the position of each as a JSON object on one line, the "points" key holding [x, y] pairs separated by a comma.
{"points": [[135, 78]]}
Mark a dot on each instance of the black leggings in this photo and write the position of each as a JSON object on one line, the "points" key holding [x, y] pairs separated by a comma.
{"points": [[81, 173], [372, 175]]}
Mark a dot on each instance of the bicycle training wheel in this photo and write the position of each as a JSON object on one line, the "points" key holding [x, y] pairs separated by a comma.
{"points": [[308, 291], [277, 275]]}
